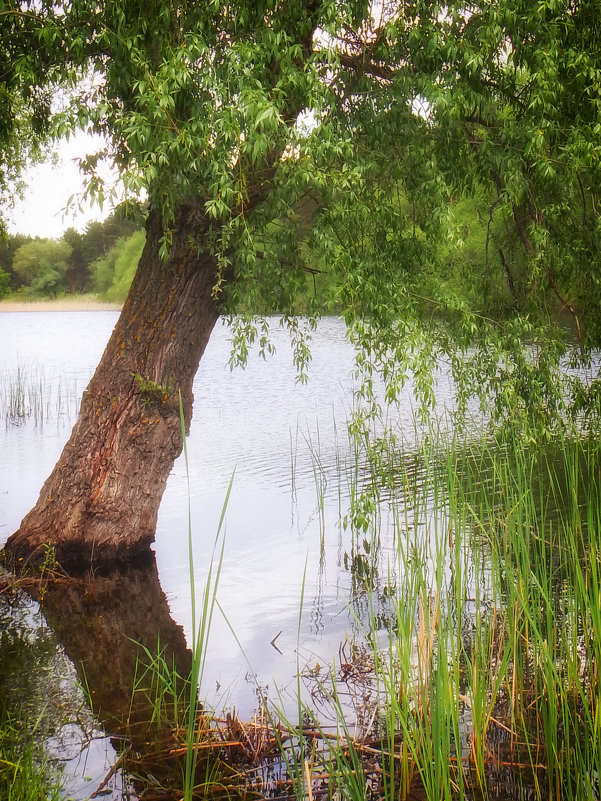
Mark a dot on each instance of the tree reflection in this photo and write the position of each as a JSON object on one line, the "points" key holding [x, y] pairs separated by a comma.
{"points": [[131, 656]]}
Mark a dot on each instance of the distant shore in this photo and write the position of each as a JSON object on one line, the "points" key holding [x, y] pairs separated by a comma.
{"points": [[69, 303]]}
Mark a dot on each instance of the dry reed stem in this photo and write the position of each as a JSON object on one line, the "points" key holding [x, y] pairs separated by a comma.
{"points": [[425, 646], [309, 781]]}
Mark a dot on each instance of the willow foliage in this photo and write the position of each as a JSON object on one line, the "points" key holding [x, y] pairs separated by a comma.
{"points": [[346, 139]]}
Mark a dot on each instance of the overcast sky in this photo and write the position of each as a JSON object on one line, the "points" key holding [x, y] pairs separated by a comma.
{"points": [[49, 186]]}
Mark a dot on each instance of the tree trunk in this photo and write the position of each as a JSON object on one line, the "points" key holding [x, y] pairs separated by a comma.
{"points": [[99, 506]]}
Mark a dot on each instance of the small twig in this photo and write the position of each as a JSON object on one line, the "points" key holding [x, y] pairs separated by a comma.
{"points": [[272, 642], [111, 773], [217, 744]]}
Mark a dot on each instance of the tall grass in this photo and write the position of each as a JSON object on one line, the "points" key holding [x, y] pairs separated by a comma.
{"points": [[489, 670], [201, 627], [481, 618], [26, 393], [172, 701], [25, 773]]}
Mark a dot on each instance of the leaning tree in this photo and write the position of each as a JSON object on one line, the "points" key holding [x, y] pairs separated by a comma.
{"points": [[201, 106], [263, 133]]}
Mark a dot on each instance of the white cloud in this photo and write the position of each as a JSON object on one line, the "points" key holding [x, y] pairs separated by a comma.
{"points": [[41, 212]]}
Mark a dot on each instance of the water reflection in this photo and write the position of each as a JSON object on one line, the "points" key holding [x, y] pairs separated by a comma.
{"points": [[40, 687], [300, 589], [109, 628], [294, 472]]}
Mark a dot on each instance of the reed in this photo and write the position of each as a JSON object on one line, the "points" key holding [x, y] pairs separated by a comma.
{"points": [[489, 668], [27, 394], [164, 691], [173, 702], [26, 774], [196, 728], [480, 613]]}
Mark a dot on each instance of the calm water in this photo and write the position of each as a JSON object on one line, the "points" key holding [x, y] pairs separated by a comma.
{"points": [[288, 447]]}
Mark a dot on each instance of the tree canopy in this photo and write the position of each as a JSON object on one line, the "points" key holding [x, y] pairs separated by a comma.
{"points": [[373, 143]]}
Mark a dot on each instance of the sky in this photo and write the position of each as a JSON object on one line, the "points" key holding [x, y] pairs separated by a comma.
{"points": [[41, 212]]}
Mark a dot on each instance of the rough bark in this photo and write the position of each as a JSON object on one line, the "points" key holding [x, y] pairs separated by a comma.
{"points": [[99, 506]]}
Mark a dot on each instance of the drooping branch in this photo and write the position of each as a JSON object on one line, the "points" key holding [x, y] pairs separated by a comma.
{"points": [[566, 305]]}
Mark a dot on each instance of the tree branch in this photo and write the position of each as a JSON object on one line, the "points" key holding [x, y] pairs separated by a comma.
{"points": [[566, 305]]}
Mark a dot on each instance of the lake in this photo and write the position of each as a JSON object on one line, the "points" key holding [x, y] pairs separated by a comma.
{"points": [[323, 565], [285, 594]]}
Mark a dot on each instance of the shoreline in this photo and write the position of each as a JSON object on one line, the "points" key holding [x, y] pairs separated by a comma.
{"points": [[73, 303]]}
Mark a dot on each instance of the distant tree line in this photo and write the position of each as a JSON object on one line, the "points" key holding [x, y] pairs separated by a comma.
{"points": [[100, 260]]}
